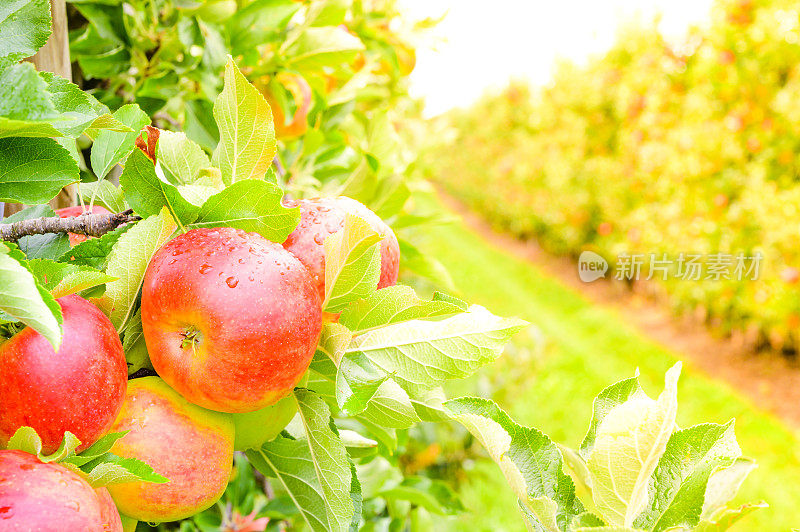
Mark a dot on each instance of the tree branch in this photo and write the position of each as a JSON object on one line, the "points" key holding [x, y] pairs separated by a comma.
{"points": [[85, 224]]}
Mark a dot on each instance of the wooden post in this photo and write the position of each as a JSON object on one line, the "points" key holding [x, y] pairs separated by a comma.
{"points": [[54, 57]]}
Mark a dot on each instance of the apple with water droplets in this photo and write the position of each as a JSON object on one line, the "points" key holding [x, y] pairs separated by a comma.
{"points": [[47, 497], [79, 388], [187, 444], [231, 320], [322, 217]]}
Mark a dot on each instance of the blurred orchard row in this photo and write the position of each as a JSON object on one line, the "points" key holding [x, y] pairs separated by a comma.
{"points": [[656, 147]]}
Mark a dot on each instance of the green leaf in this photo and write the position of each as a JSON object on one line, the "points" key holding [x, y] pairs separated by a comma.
{"points": [[327, 12], [128, 261], [103, 193], [329, 457], [26, 109], [352, 263], [110, 147], [393, 304], [147, 194], [200, 125], [723, 485], [253, 206], [727, 517], [315, 48], [255, 23], [24, 299], [24, 28], [357, 445], [530, 461], [34, 170], [423, 354], [96, 450], [424, 265], [26, 439], [112, 469], [94, 251], [608, 399], [247, 133], [628, 445], [50, 246], [433, 495], [181, 157], [81, 108], [314, 471], [678, 485], [134, 345], [62, 278]]}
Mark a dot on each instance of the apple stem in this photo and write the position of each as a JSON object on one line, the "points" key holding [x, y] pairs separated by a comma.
{"points": [[191, 337], [85, 224]]}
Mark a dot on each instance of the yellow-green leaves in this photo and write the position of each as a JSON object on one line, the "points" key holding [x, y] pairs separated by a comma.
{"points": [[629, 443], [352, 263], [24, 299], [246, 130], [128, 261]]}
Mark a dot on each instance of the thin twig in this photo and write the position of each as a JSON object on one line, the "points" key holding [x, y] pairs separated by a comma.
{"points": [[85, 224]]}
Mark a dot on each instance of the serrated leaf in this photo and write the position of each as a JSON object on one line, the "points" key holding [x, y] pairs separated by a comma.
{"points": [[110, 147], [24, 299], [81, 108], [628, 445], [608, 399], [587, 520], [727, 517], [94, 251], [34, 170], [723, 484], [24, 28], [678, 485], [147, 194], [128, 261], [134, 345], [425, 265], [329, 457], [181, 157], [26, 109], [530, 461], [357, 445], [252, 206], [50, 246], [246, 129], [256, 22], [112, 469], [352, 263], [423, 354], [62, 279], [26, 439], [96, 450], [104, 193], [290, 462], [393, 304]]}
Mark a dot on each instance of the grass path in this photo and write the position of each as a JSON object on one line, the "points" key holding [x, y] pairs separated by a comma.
{"points": [[586, 348]]}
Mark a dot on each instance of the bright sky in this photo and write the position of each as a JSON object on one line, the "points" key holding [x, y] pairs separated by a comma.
{"points": [[484, 43]]}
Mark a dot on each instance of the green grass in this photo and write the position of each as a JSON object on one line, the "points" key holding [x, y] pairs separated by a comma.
{"points": [[549, 384]]}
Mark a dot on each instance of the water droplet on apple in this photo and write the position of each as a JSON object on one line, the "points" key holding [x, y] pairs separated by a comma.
{"points": [[6, 512], [205, 268], [232, 282], [73, 505]]}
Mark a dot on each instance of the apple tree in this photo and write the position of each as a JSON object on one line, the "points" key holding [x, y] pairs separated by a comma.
{"points": [[217, 346]]}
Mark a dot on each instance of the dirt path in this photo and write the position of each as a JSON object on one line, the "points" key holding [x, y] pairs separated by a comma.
{"points": [[770, 379]]}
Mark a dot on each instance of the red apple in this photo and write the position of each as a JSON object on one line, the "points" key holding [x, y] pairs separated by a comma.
{"points": [[79, 389], [187, 444], [320, 218], [77, 210], [50, 498], [231, 320]]}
